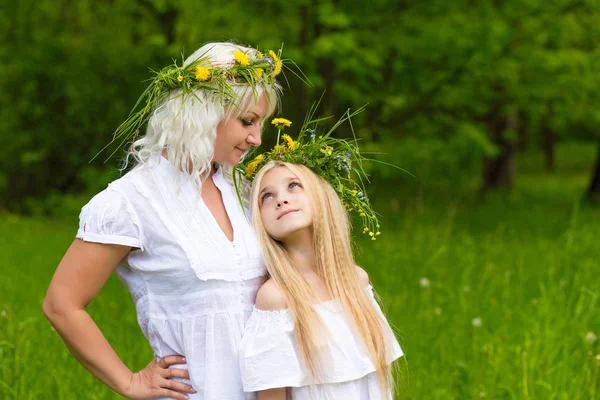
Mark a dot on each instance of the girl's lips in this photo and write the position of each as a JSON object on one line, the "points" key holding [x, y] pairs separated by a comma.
{"points": [[286, 213]]}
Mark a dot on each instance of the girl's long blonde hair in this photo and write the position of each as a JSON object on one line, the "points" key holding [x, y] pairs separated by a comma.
{"points": [[335, 265]]}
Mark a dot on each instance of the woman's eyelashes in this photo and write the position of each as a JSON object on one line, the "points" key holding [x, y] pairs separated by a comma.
{"points": [[246, 122]]}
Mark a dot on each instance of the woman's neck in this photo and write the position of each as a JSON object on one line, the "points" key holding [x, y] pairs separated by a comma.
{"points": [[205, 176]]}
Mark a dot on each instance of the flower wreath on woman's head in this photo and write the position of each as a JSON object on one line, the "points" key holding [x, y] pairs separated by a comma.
{"points": [[338, 161], [216, 79]]}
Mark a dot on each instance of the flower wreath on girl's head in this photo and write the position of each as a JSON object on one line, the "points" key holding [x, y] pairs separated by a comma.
{"points": [[216, 79], [338, 161]]}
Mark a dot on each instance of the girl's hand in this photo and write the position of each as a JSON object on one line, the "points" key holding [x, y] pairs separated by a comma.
{"points": [[154, 380]]}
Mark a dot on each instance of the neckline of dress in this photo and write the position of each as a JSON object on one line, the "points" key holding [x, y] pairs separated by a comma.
{"points": [[167, 171], [322, 304]]}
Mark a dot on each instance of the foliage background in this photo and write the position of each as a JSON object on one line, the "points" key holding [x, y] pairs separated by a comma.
{"points": [[492, 106]]}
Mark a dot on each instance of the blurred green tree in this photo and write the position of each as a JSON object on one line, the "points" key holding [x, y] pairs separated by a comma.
{"points": [[454, 89]]}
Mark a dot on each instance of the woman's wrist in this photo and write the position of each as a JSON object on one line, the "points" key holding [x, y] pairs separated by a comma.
{"points": [[124, 384]]}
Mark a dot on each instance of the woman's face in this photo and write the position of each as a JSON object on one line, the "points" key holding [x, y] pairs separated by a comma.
{"points": [[237, 134], [285, 207]]}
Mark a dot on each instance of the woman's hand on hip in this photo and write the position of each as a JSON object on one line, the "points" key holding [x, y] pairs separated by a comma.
{"points": [[155, 380]]}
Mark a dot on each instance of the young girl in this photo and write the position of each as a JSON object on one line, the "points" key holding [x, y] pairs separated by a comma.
{"points": [[316, 331]]}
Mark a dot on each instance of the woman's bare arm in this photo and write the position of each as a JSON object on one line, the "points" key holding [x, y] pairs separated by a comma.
{"points": [[79, 277]]}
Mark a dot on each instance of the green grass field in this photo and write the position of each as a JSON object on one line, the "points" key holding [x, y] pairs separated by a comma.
{"points": [[494, 300]]}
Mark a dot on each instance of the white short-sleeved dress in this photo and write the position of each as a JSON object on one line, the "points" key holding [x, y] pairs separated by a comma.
{"points": [[193, 289], [270, 357]]}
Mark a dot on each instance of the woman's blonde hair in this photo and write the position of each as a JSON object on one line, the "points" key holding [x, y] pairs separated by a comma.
{"points": [[186, 126], [334, 264]]}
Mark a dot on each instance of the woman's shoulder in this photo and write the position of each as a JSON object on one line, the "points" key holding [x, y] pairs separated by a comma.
{"points": [[270, 297]]}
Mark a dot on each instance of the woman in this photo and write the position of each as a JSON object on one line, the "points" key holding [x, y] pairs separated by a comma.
{"points": [[174, 231]]}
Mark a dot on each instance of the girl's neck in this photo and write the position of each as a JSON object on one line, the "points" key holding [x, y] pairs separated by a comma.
{"points": [[301, 250]]}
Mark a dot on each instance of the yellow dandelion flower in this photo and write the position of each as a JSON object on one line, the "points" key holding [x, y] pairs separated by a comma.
{"points": [[373, 238], [179, 78], [281, 122], [362, 214], [259, 71], [354, 194], [371, 234], [241, 58], [278, 67], [366, 230], [378, 233], [251, 168], [259, 55], [202, 73], [273, 55], [290, 142]]}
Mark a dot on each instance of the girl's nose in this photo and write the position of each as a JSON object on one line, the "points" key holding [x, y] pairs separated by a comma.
{"points": [[280, 203]]}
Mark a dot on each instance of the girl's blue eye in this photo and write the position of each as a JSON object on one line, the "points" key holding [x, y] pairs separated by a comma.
{"points": [[294, 184], [264, 197]]}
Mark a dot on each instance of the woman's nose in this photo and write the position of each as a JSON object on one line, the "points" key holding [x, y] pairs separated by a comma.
{"points": [[254, 139], [280, 203]]}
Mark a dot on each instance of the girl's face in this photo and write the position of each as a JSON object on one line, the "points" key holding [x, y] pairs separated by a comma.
{"points": [[285, 208], [237, 134]]}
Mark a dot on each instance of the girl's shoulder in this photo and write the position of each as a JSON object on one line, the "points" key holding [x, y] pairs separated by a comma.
{"points": [[363, 277], [270, 297]]}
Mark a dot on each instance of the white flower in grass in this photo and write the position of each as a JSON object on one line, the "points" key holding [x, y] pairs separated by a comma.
{"points": [[598, 360], [3, 313], [438, 311], [591, 337], [467, 289], [482, 394], [424, 282], [476, 322]]}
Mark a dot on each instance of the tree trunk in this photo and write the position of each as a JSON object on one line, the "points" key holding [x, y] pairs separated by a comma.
{"points": [[593, 192], [548, 141], [523, 133], [499, 171]]}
